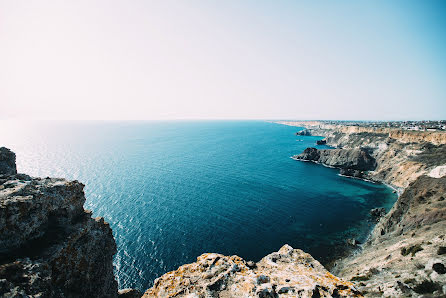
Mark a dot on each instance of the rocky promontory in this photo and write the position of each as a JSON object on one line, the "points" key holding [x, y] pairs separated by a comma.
{"points": [[286, 273], [352, 162], [49, 245]]}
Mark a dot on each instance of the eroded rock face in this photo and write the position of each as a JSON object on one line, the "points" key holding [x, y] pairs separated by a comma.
{"points": [[29, 206], [286, 273], [49, 245], [7, 162], [352, 159]]}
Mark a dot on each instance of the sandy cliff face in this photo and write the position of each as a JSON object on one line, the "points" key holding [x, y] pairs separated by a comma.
{"points": [[401, 157], [316, 128], [286, 273], [49, 245]]}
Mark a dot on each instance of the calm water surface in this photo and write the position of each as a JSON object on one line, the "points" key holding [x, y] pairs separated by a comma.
{"points": [[174, 190]]}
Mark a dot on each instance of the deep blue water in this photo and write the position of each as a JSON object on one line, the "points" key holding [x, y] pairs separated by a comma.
{"points": [[174, 190]]}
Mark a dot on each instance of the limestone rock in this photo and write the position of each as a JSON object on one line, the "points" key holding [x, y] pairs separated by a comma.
{"points": [[354, 159], [286, 273], [49, 245]]}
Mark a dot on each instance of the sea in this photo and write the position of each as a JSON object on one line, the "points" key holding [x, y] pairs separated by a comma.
{"points": [[173, 190]]}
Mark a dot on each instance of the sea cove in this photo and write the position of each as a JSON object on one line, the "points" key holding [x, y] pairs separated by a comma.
{"points": [[175, 189]]}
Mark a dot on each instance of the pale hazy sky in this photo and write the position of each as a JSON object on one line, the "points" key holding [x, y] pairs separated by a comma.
{"points": [[223, 59]]}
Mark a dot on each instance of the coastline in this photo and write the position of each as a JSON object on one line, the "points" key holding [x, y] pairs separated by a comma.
{"points": [[416, 221], [345, 249], [403, 255]]}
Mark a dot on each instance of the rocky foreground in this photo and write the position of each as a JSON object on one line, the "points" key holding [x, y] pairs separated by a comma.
{"points": [[49, 245], [286, 273], [405, 256]]}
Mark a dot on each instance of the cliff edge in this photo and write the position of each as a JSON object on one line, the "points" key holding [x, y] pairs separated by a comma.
{"points": [[49, 245], [286, 273]]}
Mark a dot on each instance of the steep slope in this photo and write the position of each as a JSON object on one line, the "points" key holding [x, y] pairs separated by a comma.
{"points": [[407, 250], [49, 245]]}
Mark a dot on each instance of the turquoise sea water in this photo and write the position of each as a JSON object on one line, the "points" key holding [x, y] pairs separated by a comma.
{"points": [[174, 190]]}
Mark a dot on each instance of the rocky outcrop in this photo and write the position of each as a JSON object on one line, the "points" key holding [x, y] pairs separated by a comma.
{"points": [[286, 273], [351, 173], [304, 132], [49, 245], [7, 162], [377, 213], [352, 159]]}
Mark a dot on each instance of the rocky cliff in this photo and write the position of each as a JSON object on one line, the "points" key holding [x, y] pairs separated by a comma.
{"points": [[49, 245], [352, 162], [286, 273], [7, 162], [405, 256], [401, 156]]}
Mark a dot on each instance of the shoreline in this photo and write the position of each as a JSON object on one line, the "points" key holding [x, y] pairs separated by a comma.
{"points": [[397, 190], [382, 265], [348, 250]]}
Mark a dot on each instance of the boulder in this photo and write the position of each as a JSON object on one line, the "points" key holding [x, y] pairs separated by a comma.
{"points": [[129, 293], [353, 242]]}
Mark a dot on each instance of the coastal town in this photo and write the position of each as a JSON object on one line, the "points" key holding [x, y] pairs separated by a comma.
{"points": [[423, 125]]}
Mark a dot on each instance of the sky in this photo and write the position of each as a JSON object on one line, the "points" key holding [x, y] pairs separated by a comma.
{"points": [[150, 60]]}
